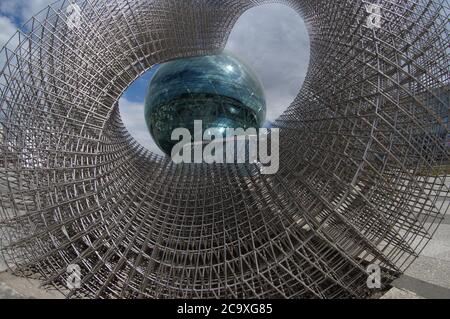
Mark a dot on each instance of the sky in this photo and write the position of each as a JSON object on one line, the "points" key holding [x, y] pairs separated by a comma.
{"points": [[271, 39]]}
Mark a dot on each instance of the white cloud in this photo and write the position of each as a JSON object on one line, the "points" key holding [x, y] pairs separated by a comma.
{"points": [[274, 41], [23, 9], [33, 7], [134, 120], [8, 28]]}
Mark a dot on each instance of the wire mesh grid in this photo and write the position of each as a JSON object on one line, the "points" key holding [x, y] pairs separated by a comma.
{"points": [[358, 149]]}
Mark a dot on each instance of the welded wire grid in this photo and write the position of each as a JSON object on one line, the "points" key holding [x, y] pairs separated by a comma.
{"points": [[358, 148]]}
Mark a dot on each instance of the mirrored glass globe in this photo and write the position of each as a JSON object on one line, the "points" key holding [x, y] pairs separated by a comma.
{"points": [[220, 90]]}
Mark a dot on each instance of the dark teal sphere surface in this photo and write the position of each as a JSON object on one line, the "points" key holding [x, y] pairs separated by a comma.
{"points": [[220, 90]]}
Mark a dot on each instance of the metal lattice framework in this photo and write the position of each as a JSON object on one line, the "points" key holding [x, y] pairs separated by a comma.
{"points": [[358, 146]]}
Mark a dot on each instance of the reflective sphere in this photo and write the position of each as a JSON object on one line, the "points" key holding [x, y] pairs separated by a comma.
{"points": [[219, 90]]}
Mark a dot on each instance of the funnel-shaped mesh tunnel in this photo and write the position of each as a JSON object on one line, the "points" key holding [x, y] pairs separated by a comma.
{"points": [[358, 148]]}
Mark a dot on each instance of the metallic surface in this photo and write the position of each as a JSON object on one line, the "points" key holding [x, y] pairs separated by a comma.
{"points": [[358, 146], [220, 90]]}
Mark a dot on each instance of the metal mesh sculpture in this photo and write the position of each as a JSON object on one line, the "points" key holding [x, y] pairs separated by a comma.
{"points": [[357, 148]]}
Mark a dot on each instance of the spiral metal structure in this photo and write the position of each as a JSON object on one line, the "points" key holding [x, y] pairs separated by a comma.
{"points": [[357, 150]]}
